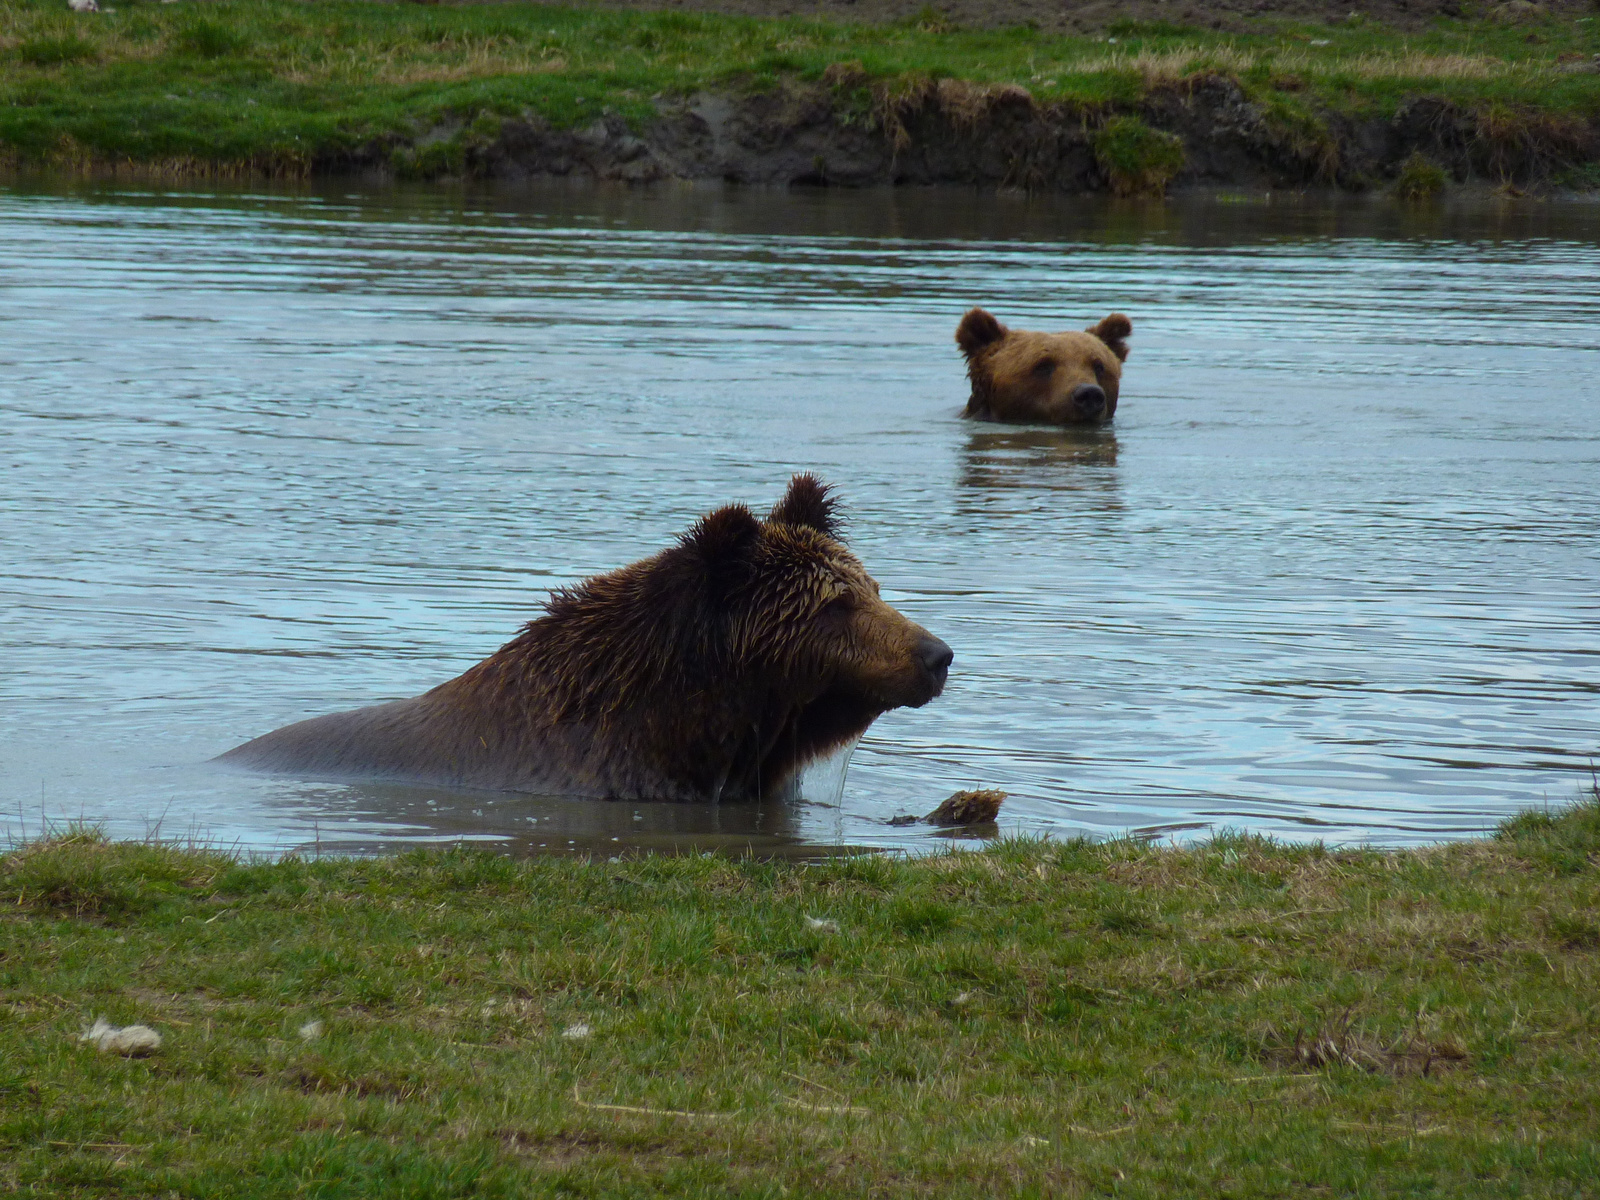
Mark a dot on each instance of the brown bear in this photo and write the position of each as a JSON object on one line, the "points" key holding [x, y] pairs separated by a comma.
{"points": [[1059, 378], [713, 670]]}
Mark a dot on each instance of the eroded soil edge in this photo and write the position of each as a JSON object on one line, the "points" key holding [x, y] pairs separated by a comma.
{"points": [[834, 133]]}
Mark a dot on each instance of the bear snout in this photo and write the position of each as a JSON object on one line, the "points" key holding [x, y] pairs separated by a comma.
{"points": [[936, 658], [1089, 399]]}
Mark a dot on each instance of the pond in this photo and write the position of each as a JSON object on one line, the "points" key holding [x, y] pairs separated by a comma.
{"points": [[1332, 573]]}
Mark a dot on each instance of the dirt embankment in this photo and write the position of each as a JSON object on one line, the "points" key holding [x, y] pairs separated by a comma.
{"points": [[1201, 131]]}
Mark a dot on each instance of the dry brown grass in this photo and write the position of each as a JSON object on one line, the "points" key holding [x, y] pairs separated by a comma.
{"points": [[1341, 1041], [1159, 68], [70, 160], [398, 67], [1407, 65]]}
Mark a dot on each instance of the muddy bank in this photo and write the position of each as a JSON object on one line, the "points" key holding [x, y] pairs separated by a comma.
{"points": [[1201, 131]]}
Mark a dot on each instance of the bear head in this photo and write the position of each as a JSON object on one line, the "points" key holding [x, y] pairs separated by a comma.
{"points": [[1057, 378], [731, 660]]}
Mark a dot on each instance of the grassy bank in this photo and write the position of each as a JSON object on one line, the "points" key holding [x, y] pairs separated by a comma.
{"points": [[1239, 1018], [279, 87]]}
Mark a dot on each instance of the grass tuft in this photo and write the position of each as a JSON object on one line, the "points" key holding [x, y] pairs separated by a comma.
{"points": [[1420, 178], [1574, 931], [919, 916], [81, 873], [1570, 837], [1125, 920], [56, 51], [210, 39], [1138, 160]]}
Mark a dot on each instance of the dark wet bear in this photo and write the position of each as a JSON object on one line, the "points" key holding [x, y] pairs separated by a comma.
{"points": [[714, 670], [1056, 378]]}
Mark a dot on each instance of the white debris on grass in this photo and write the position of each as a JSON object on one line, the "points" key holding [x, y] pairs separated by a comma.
{"points": [[311, 1031], [822, 924], [576, 1032], [134, 1041], [83, 5]]}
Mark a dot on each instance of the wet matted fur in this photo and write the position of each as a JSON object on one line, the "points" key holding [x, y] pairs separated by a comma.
{"points": [[714, 670]]}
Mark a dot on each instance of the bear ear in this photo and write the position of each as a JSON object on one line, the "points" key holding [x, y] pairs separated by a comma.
{"points": [[1112, 331], [808, 502], [722, 542], [977, 330]]}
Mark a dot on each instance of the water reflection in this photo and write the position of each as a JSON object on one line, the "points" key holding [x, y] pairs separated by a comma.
{"points": [[379, 816], [374, 817], [1074, 460]]}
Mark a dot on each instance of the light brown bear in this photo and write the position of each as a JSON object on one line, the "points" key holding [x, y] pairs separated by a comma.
{"points": [[1057, 378], [714, 670]]}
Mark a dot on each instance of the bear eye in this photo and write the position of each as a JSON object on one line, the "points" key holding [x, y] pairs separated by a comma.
{"points": [[1044, 368], [1099, 371]]}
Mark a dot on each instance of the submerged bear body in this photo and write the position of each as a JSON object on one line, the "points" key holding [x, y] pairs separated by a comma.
{"points": [[714, 670], [1020, 375]]}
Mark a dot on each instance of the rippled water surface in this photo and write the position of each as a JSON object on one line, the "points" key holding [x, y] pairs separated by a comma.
{"points": [[1334, 573]]}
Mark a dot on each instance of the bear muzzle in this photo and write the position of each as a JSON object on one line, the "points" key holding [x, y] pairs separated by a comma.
{"points": [[935, 658], [1088, 401]]}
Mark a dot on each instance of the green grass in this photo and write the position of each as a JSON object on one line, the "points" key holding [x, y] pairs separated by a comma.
{"points": [[1239, 1018], [278, 85]]}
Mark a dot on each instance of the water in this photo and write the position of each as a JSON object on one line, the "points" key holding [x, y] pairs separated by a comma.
{"points": [[1333, 573]]}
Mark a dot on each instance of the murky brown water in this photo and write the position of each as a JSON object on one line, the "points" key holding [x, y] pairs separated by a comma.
{"points": [[1333, 573]]}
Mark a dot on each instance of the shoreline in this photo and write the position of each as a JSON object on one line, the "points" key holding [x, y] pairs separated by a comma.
{"points": [[1201, 134], [511, 91]]}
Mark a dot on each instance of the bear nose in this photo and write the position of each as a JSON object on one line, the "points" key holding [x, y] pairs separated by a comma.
{"points": [[937, 657], [1090, 398]]}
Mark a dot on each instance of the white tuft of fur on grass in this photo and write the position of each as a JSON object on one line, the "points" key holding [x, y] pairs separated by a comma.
{"points": [[576, 1032], [822, 924], [311, 1031], [133, 1041]]}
